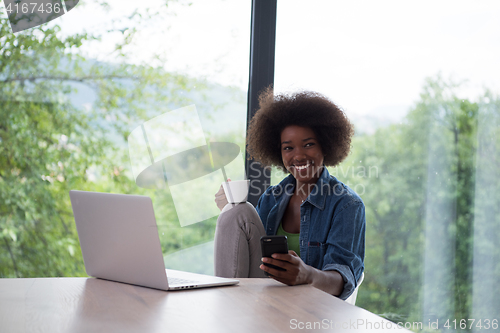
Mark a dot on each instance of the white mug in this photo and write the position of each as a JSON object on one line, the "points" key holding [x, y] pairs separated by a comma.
{"points": [[236, 191]]}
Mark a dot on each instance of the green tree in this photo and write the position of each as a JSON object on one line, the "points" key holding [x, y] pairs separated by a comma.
{"points": [[46, 145], [49, 146], [421, 205]]}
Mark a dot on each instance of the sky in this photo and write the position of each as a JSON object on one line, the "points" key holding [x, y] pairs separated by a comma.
{"points": [[370, 57], [373, 56]]}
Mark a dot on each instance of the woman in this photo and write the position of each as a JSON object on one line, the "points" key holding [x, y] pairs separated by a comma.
{"points": [[323, 219]]}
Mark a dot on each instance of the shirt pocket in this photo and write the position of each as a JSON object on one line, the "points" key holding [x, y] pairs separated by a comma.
{"points": [[315, 254]]}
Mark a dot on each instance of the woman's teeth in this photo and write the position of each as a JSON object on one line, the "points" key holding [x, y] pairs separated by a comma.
{"points": [[302, 167]]}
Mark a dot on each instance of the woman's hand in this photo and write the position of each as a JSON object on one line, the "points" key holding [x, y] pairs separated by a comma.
{"points": [[297, 272], [220, 197]]}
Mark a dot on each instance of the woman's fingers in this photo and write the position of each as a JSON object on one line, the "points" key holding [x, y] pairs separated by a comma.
{"points": [[220, 197], [295, 270]]}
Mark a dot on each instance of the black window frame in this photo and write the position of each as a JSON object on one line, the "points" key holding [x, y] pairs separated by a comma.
{"points": [[261, 75]]}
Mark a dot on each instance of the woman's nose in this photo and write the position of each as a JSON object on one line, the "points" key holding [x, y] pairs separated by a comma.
{"points": [[299, 155]]}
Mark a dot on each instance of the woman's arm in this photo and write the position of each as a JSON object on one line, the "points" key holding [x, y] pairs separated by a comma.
{"points": [[330, 282], [297, 272]]}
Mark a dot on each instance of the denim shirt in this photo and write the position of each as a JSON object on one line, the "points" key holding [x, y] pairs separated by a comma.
{"points": [[332, 225]]}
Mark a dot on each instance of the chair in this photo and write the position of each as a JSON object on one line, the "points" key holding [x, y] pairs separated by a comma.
{"points": [[352, 299]]}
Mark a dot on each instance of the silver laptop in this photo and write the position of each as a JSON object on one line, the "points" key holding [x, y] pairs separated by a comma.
{"points": [[119, 240]]}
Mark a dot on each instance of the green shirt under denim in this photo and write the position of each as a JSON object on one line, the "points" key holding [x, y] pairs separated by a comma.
{"points": [[292, 239]]}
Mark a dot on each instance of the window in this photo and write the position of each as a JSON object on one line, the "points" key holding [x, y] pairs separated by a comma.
{"points": [[420, 83], [69, 102]]}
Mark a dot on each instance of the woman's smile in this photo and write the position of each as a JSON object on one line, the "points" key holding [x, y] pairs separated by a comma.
{"points": [[301, 153], [302, 167]]}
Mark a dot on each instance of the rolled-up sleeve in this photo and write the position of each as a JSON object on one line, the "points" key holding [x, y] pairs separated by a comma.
{"points": [[346, 245]]}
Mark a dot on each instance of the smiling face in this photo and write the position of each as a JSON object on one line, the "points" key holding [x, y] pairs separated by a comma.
{"points": [[301, 153]]}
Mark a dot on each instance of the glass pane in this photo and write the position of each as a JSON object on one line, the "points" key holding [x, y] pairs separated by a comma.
{"points": [[154, 105], [421, 84]]}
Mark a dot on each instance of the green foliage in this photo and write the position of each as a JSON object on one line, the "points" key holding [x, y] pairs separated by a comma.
{"points": [[45, 147], [48, 146], [420, 201]]}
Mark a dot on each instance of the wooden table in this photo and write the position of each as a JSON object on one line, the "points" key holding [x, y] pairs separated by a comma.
{"points": [[255, 305]]}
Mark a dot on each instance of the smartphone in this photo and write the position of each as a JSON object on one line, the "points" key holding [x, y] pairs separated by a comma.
{"points": [[273, 244]]}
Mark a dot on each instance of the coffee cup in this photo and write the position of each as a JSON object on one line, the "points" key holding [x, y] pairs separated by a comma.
{"points": [[236, 191]]}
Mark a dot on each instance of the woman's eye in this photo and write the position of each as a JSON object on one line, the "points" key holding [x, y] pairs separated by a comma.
{"points": [[309, 144], [287, 148]]}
